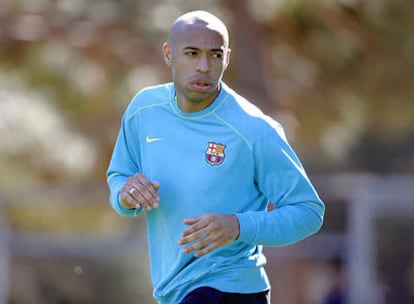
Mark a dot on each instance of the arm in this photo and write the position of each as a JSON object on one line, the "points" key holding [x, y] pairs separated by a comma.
{"points": [[122, 166], [281, 178]]}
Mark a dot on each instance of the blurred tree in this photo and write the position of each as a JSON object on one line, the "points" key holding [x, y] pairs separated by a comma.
{"points": [[248, 68], [331, 72], [337, 74]]}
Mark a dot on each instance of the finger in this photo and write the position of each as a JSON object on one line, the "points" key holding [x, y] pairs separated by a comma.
{"points": [[137, 198], [128, 201], [200, 244], [140, 196], [141, 200], [196, 235], [147, 195], [191, 221], [195, 227], [156, 185], [208, 249], [150, 195], [150, 188]]}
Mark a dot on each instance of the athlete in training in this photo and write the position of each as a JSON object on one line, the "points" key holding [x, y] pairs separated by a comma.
{"points": [[204, 163]]}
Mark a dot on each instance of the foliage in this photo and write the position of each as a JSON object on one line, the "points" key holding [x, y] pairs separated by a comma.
{"points": [[337, 74], [338, 77]]}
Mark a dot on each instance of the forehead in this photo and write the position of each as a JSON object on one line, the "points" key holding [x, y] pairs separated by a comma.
{"points": [[198, 35]]}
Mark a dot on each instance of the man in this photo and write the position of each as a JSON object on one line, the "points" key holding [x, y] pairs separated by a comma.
{"points": [[204, 164]]}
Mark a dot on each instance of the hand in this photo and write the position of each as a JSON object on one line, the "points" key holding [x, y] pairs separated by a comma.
{"points": [[210, 231], [139, 191]]}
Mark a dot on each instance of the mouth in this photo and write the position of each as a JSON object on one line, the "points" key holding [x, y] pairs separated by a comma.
{"points": [[201, 85]]}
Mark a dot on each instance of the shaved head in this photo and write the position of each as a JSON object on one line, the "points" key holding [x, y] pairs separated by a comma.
{"points": [[197, 53], [198, 18]]}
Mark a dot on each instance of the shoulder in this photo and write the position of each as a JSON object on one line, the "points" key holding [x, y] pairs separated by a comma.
{"points": [[161, 91], [248, 118], [149, 97]]}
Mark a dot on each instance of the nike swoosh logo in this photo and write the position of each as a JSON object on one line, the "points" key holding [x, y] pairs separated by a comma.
{"points": [[150, 140]]}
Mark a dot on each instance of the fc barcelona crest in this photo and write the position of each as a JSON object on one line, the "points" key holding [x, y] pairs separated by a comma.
{"points": [[215, 154]]}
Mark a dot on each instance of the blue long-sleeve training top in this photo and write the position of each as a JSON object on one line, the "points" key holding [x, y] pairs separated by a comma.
{"points": [[228, 158]]}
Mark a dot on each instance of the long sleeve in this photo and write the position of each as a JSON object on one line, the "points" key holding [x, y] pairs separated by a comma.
{"points": [[122, 165], [281, 178]]}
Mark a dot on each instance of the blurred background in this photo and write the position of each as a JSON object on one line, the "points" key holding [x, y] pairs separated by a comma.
{"points": [[338, 74]]}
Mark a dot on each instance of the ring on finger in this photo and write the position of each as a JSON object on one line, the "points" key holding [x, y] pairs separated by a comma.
{"points": [[132, 191]]}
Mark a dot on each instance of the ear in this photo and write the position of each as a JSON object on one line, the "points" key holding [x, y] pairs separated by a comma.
{"points": [[228, 53], [166, 50]]}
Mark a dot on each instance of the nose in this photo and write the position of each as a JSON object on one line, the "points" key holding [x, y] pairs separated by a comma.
{"points": [[203, 64]]}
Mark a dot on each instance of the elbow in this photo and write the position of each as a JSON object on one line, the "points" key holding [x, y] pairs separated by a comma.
{"points": [[317, 225], [316, 217]]}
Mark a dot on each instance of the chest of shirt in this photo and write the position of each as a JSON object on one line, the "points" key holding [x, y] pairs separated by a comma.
{"points": [[205, 146], [204, 155]]}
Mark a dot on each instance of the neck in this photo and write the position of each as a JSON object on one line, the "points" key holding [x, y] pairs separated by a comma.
{"points": [[189, 106]]}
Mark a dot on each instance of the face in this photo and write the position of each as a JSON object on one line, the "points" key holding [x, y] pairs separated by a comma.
{"points": [[198, 57]]}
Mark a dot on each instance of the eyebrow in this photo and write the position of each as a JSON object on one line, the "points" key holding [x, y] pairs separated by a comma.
{"points": [[197, 49]]}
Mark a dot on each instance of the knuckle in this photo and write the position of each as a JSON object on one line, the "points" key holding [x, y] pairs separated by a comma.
{"points": [[203, 243], [214, 226], [215, 239]]}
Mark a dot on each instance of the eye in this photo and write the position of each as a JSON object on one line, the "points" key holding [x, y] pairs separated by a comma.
{"points": [[190, 53], [217, 55]]}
